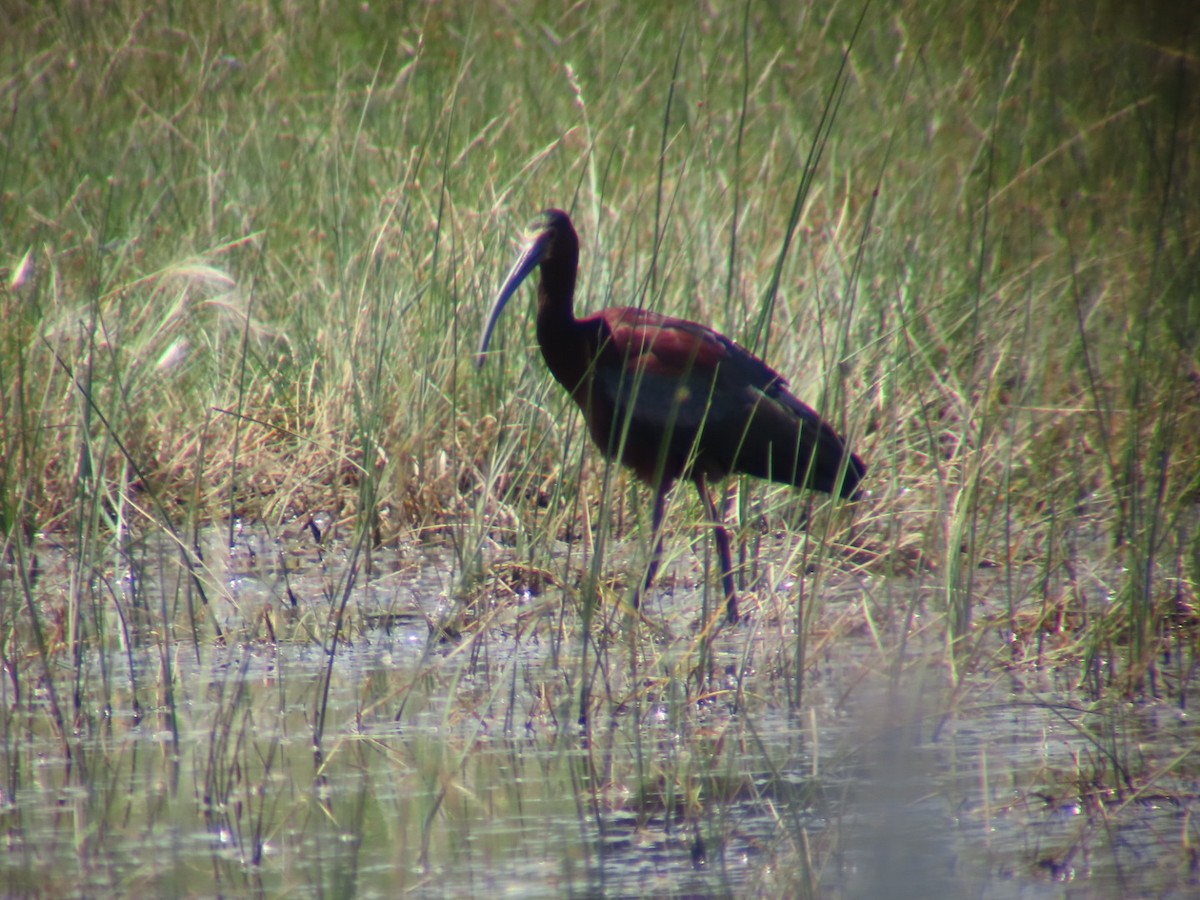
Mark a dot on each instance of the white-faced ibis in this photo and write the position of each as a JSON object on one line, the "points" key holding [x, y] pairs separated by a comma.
{"points": [[669, 398]]}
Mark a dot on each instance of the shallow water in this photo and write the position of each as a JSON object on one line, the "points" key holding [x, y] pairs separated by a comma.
{"points": [[443, 763]]}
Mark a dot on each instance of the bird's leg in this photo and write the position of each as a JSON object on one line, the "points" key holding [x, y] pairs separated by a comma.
{"points": [[660, 506], [723, 551]]}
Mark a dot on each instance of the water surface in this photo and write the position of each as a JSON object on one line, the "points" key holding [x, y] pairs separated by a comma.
{"points": [[436, 749]]}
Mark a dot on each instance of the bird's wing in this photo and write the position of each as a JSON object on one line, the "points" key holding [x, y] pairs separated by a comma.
{"points": [[717, 399], [676, 348], [662, 344], [668, 363]]}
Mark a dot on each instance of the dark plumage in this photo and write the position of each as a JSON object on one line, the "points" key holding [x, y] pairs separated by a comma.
{"points": [[671, 398]]}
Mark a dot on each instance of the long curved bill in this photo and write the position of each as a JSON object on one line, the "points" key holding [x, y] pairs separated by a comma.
{"points": [[531, 256]]}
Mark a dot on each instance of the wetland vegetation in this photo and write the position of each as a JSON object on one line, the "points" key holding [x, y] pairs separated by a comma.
{"points": [[292, 598]]}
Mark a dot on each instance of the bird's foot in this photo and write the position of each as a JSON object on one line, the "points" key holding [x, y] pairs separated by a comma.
{"points": [[734, 614]]}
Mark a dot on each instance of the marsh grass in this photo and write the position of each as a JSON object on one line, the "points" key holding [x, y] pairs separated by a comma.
{"points": [[244, 257]]}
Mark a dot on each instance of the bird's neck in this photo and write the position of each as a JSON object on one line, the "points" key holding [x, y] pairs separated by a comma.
{"points": [[562, 341], [556, 302]]}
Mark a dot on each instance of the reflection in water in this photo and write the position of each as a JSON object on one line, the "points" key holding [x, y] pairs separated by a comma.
{"points": [[448, 761]]}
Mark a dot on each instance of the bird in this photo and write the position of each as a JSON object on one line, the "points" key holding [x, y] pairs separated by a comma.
{"points": [[669, 398]]}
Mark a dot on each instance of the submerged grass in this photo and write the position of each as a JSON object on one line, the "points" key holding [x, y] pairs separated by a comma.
{"points": [[243, 271]]}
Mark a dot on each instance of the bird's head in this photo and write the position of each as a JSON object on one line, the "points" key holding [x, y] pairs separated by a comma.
{"points": [[551, 237]]}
